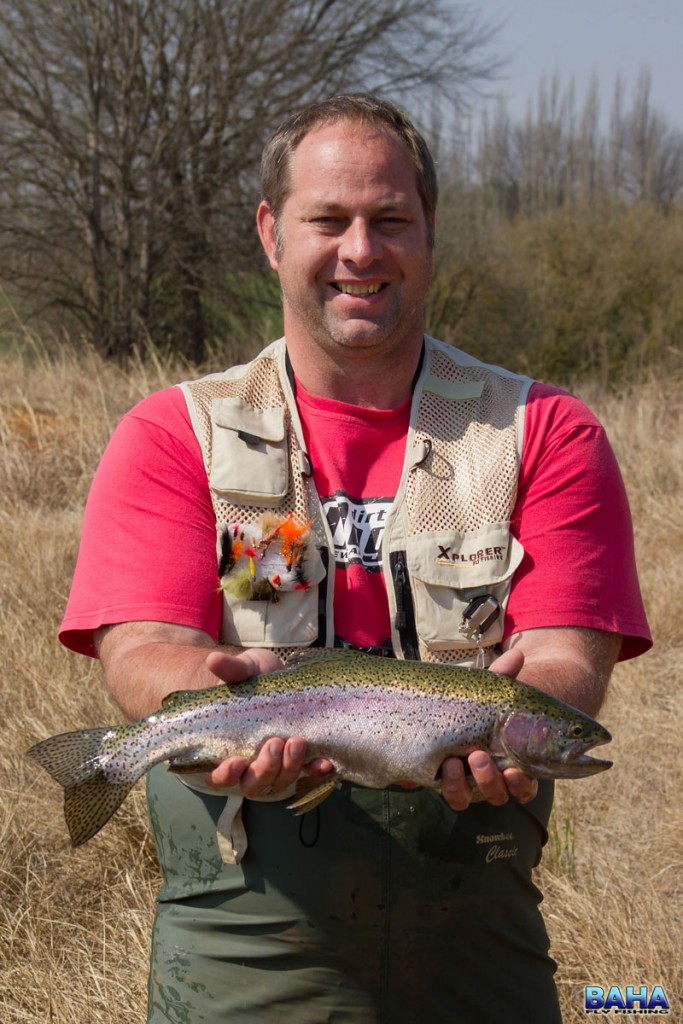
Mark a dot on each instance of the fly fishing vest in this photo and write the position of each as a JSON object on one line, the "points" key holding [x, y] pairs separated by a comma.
{"points": [[447, 552]]}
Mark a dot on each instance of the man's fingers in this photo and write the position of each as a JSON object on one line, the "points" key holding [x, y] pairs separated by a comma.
{"points": [[509, 663], [228, 773], [495, 786], [278, 764], [293, 757], [454, 786], [319, 766], [234, 668], [488, 779], [253, 778], [263, 772], [520, 786]]}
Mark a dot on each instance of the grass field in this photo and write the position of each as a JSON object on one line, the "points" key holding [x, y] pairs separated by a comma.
{"points": [[74, 925]]}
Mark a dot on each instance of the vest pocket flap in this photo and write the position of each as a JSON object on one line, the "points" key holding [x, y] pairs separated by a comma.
{"points": [[234, 414], [462, 560], [248, 453]]}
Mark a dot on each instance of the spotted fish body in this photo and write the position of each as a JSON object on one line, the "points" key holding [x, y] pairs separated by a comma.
{"points": [[378, 720]]}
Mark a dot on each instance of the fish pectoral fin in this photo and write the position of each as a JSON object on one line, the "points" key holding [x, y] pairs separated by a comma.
{"points": [[311, 791]]}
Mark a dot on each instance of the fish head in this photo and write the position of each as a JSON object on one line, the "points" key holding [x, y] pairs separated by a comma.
{"points": [[553, 745]]}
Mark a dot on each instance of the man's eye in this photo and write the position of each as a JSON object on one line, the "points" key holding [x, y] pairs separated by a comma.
{"points": [[393, 222]]}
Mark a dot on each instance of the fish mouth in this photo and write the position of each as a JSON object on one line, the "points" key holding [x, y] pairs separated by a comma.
{"points": [[576, 767], [584, 765], [578, 763]]}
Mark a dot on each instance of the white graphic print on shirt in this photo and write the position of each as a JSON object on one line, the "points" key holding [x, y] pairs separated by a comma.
{"points": [[357, 527]]}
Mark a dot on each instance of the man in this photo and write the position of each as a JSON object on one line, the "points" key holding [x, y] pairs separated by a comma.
{"points": [[443, 510]]}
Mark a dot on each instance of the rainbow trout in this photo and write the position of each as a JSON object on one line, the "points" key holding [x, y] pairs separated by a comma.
{"points": [[378, 720]]}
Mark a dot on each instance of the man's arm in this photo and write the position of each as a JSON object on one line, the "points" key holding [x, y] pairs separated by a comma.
{"points": [[572, 664], [145, 661]]}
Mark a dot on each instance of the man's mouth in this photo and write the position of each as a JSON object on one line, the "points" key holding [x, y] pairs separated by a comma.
{"points": [[357, 289]]}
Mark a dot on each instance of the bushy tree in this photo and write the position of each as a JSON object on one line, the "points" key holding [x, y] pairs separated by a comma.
{"points": [[131, 131]]}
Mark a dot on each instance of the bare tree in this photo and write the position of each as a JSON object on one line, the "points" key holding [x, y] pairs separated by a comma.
{"points": [[652, 152], [556, 155], [131, 130]]}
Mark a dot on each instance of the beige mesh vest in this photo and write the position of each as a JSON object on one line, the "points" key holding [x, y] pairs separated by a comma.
{"points": [[447, 545]]}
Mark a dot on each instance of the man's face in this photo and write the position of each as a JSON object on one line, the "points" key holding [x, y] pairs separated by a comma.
{"points": [[352, 245]]}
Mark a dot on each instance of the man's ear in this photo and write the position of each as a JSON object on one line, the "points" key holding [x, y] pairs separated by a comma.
{"points": [[265, 222]]}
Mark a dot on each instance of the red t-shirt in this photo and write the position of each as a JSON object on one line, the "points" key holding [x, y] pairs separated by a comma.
{"points": [[148, 547], [356, 482]]}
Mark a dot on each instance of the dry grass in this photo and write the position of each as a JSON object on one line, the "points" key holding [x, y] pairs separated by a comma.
{"points": [[613, 873], [75, 925]]}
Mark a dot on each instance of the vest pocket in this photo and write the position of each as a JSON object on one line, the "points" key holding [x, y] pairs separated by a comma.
{"points": [[291, 621], [448, 570]]}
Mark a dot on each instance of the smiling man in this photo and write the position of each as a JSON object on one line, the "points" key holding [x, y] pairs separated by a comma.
{"points": [[358, 484], [355, 266]]}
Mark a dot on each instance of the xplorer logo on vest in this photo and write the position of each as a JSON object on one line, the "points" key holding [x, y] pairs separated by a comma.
{"points": [[357, 526], [456, 556]]}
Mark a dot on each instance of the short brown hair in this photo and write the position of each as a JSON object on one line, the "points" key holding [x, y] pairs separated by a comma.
{"points": [[363, 108]]}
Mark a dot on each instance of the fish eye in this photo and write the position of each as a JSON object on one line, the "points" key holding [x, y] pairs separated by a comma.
{"points": [[576, 730]]}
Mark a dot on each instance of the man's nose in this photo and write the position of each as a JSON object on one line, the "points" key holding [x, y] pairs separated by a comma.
{"points": [[359, 243]]}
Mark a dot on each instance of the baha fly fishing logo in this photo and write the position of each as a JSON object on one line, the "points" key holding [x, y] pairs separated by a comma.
{"points": [[633, 999]]}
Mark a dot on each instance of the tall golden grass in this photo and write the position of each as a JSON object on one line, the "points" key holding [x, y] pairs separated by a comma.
{"points": [[75, 925]]}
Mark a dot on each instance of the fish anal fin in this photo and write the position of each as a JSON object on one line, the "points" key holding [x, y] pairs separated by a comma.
{"points": [[181, 766], [311, 791]]}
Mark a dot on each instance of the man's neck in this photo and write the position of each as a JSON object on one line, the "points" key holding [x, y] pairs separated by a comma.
{"points": [[375, 382]]}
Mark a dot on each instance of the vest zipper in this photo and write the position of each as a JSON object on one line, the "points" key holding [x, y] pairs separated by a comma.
{"points": [[321, 639], [405, 613]]}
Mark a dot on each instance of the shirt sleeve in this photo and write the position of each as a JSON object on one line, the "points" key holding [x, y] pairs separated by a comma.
{"points": [[148, 544], [573, 520]]}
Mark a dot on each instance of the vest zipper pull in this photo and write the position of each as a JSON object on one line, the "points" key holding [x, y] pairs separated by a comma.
{"points": [[405, 617]]}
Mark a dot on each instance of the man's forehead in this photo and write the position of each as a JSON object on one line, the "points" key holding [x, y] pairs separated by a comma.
{"points": [[326, 137], [374, 153]]}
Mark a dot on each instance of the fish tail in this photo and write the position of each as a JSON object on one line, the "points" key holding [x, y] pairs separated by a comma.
{"points": [[89, 805], [73, 759]]}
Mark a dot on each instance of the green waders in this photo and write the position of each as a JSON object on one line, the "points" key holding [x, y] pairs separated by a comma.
{"points": [[381, 907]]}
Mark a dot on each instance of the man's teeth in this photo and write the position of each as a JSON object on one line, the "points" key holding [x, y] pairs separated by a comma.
{"points": [[358, 289]]}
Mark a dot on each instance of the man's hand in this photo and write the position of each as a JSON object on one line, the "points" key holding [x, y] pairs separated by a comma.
{"points": [[145, 661], [495, 786], [279, 762], [571, 663]]}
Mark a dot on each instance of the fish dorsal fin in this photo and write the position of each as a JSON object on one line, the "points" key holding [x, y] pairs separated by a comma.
{"points": [[311, 791], [176, 695], [312, 654]]}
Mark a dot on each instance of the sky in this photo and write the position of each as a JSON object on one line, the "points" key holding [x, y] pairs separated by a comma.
{"points": [[582, 37]]}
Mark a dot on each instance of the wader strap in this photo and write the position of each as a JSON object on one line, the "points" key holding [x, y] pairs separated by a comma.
{"points": [[231, 835]]}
